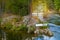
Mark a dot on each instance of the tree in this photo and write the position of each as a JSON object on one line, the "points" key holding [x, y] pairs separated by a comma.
{"points": [[20, 7], [57, 6]]}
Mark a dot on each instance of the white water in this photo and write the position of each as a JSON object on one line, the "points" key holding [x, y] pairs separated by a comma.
{"points": [[56, 31]]}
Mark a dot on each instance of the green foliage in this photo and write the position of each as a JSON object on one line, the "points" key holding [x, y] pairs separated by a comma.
{"points": [[17, 19], [20, 7], [32, 28], [23, 27], [7, 26], [57, 4], [53, 4], [43, 27]]}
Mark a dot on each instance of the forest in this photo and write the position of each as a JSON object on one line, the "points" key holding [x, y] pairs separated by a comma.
{"points": [[18, 21]]}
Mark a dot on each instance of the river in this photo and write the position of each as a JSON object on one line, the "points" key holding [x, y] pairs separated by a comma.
{"points": [[56, 31]]}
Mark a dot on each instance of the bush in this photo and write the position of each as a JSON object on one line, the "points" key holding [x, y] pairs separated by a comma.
{"points": [[18, 7], [44, 27], [7, 26]]}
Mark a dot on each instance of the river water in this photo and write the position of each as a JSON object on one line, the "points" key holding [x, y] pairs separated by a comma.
{"points": [[56, 31]]}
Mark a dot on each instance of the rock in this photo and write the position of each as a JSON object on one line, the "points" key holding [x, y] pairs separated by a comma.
{"points": [[46, 32], [31, 21]]}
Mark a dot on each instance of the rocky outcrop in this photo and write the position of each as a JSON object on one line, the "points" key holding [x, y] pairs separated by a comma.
{"points": [[46, 32]]}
